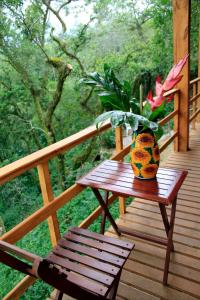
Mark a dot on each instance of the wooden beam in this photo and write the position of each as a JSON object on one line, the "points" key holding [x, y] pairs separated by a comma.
{"points": [[193, 116], [181, 38], [33, 160], [20, 288], [194, 98], [119, 147], [47, 195], [170, 92], [194, 80], [198, 87], [122, 153], [168, 141], [21, 229], [168, 117]]}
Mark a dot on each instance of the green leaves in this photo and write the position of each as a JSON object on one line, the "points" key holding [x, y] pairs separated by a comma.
{"points": [[158, 113], [113, 94], [155, 115], [158, 133], [119, 118], [102, 118], [147, 110]]}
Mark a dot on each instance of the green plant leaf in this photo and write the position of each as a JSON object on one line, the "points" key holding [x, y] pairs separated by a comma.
{"points": [[117, 119], [110, 102], [158, 113], [158, 133], [146, 112], [112, 93], [134, 107], [134, 122], [102, 118]]}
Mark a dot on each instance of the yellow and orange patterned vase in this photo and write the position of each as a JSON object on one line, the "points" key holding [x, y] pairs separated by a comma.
{"points": [[145, 154]]}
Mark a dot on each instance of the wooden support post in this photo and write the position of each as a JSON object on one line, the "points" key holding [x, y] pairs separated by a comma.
{"points": [[194, 104], [198, 84], [47, 194], [181, 30], [119, 147]]}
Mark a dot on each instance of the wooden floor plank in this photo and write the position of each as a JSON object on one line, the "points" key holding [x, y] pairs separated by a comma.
{"points": [[179, 222], [130, 293], [158, 263], [180, 206], [153, 287], [178, 282], [153, 223], [182, 213]]}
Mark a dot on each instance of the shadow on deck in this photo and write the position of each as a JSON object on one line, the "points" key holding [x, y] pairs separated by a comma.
{"points": [[142, 275]]}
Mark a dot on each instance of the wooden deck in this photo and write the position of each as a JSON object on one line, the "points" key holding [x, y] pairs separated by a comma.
{"points": [[142, 275]]}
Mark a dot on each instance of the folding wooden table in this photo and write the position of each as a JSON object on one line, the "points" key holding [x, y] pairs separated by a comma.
{"points": [[117, 178]]}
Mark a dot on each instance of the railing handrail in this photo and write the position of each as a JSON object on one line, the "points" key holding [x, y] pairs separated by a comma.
{"points": [[30, 161], [170, 92], [195, 80]]}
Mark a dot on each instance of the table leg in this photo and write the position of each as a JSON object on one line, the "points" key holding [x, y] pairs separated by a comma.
{"points": [[165, 220], [170, 242], [103, 222], [105, 209]]}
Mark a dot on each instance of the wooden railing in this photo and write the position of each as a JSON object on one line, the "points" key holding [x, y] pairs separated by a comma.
{"points": [[194, 107], [40, 160]]}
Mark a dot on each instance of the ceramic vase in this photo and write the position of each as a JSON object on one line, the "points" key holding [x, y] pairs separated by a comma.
{"points": [[145, 154]]}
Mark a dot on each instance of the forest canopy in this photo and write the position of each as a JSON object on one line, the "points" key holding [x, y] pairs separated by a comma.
{"points": [[46, 48]]}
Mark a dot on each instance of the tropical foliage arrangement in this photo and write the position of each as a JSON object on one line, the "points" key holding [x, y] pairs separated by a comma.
{"points": [[141, 116], [123, 108]]}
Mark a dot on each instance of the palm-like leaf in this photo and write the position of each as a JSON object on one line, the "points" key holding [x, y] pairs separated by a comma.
{"points": [[112, 93]]}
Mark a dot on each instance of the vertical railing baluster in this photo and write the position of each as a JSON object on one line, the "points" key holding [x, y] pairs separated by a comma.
{"points": [[176, 121], [119, 147], [47, 195], [194, 104]]}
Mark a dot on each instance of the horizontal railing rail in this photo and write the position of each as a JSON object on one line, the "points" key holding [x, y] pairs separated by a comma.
{"points": [[168, 117], [194, 115], [40, 160], [194, 98], [194, 80], [33, 160]]}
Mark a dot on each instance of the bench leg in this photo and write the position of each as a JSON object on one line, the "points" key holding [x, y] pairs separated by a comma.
{"points": [[106, 211], [59, 295], [165, 220], [170, 242], [113, 292]]}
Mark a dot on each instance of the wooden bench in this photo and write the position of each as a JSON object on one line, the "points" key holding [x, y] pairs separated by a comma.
{"points": [[84, 265]]}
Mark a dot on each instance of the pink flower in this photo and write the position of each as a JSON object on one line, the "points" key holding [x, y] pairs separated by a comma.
{"points": [[172, 79]]}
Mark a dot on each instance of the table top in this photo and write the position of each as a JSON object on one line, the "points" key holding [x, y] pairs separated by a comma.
{"points": [[118, 178]]}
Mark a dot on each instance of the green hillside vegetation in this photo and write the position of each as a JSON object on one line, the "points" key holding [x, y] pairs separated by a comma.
{"points": [[42, 100]]}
